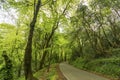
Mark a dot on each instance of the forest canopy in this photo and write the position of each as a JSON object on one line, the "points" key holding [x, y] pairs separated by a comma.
{"points": [[35, 34]]}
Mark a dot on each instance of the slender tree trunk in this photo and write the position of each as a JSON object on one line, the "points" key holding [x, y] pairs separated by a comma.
{"points": [[35, 56], [19, 70], [46, 46], [49, 61], [28, 50], [42, 60], [8, 67], [20, 66], [36, 64]]}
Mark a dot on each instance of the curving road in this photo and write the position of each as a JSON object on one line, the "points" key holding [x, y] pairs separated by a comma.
{"points": [[72, 73]]}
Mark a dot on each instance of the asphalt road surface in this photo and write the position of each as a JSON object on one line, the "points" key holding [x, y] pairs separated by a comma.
{"points": [[72, 73]]}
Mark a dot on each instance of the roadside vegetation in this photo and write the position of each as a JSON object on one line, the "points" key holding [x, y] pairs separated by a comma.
{"points": [[43, 74], [105, 67], [95, 37]]}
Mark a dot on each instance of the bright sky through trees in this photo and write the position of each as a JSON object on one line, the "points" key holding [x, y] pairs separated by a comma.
{"points": [[7, 16]]}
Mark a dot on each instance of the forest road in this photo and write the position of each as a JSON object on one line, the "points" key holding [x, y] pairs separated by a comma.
{"points": [[72, 73]]}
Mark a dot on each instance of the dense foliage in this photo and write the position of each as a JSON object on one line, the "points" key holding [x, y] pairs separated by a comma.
{"points": [[84, 32]]}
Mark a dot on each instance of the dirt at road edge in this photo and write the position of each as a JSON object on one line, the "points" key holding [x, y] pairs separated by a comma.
{"points": [[60, 75]]}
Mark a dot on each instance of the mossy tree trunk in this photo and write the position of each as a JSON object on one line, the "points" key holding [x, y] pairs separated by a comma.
{"points": [[8, 67]]}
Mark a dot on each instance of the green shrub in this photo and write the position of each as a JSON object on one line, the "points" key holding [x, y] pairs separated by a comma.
{"points": [[79, 63], [110, 66]]}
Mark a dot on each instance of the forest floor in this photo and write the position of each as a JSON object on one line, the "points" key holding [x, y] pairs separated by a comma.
{"points": [[53, 74], [72, 73]]}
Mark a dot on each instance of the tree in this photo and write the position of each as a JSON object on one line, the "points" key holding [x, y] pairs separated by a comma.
{"points": [[28, 50], [8, 67]]}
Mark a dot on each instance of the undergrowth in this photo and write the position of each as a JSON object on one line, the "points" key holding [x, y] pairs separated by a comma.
{"points": [[108, 66], [43, 74]]}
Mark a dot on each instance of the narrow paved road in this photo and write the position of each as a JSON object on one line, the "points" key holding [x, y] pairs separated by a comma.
{"points": [[72, 73]]}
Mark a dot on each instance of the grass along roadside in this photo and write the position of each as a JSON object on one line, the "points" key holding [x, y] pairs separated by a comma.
{"points": [[45, 75], [53, 74]]}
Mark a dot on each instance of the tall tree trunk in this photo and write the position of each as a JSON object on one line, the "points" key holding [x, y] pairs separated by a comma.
{"points": [[8, 67], [28, 50]]}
